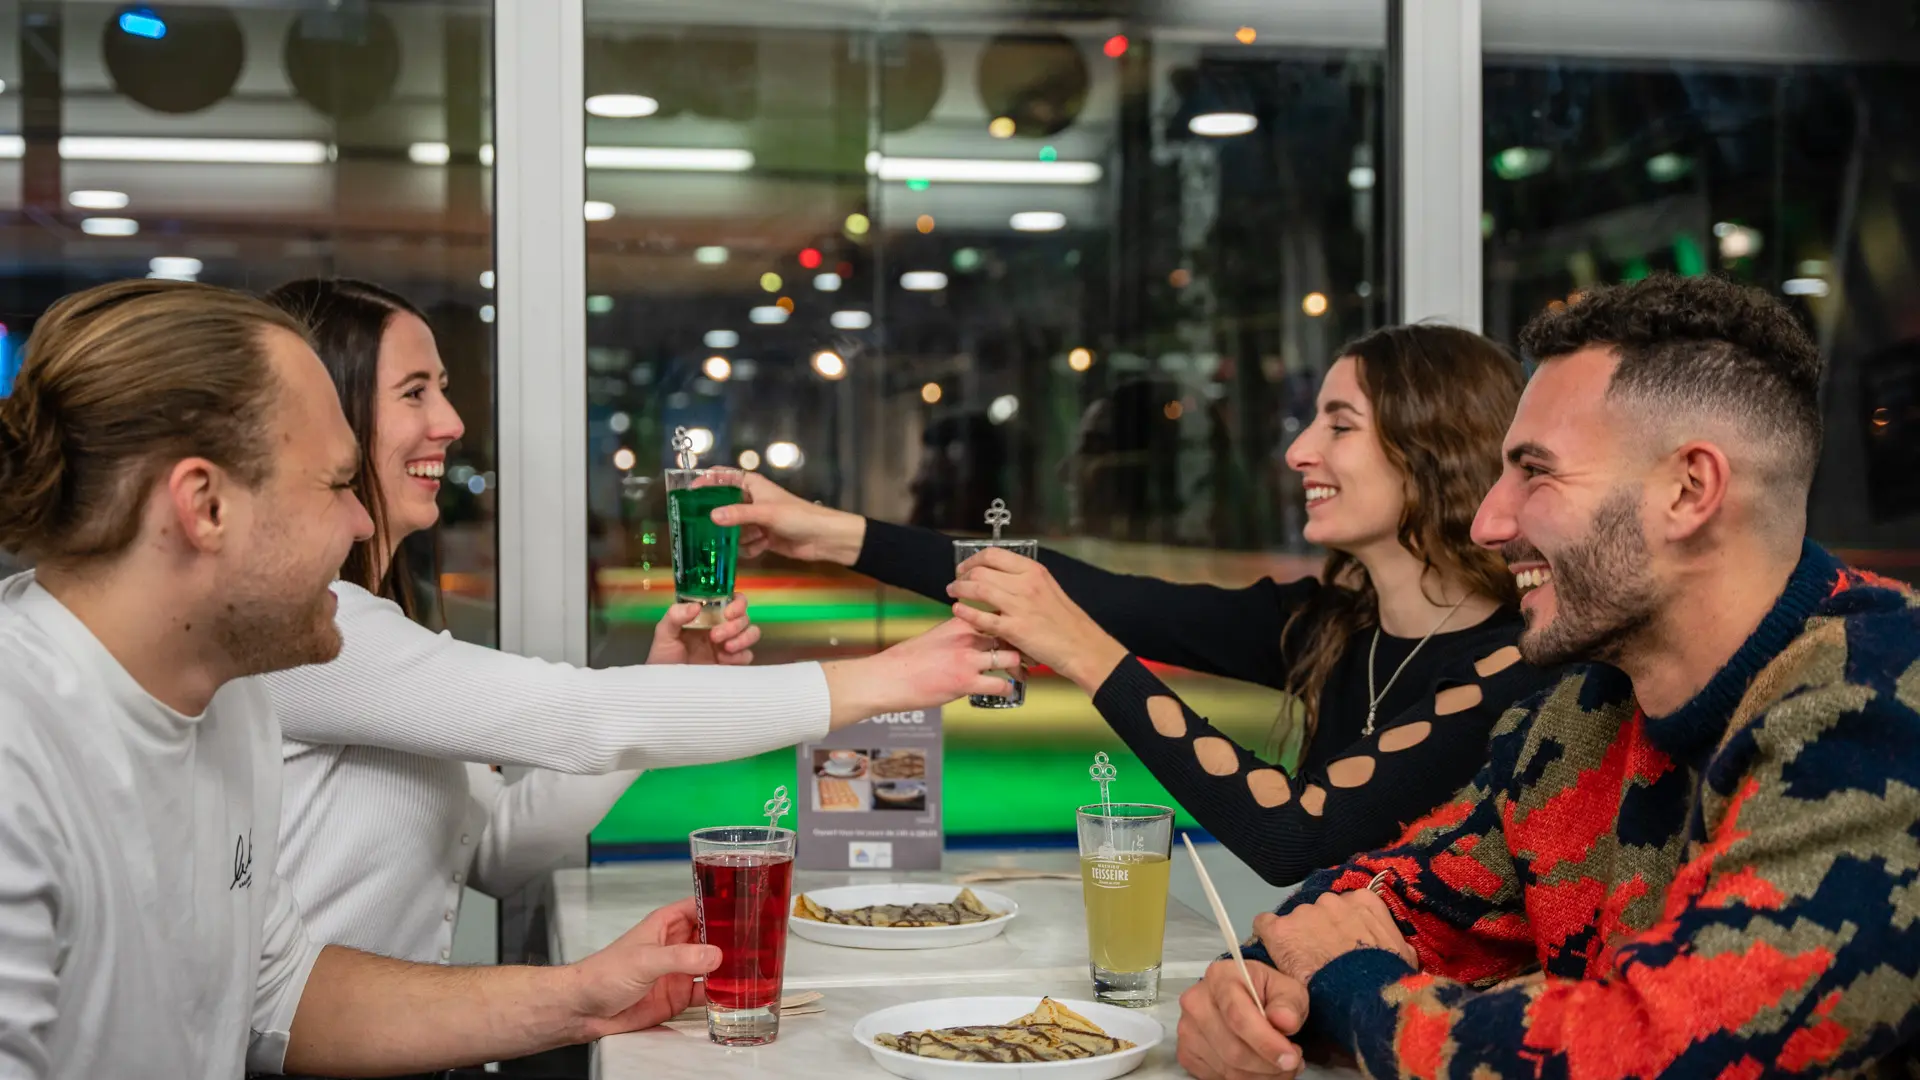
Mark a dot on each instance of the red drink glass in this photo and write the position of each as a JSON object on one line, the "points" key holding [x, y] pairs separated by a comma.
{"points": [[743, 880]]}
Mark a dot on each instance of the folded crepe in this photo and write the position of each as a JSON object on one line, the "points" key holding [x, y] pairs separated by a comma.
{"points": [[1051, 1032], [965, 908]]}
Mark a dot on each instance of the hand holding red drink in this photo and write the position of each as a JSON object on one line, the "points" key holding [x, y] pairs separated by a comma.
{"points": [[743, 882]]}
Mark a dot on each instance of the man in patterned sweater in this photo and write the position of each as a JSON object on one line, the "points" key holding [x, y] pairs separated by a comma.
{"points": [[1698, 855]]}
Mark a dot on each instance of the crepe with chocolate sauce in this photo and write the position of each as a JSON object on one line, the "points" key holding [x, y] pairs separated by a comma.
{"points": [[965, 908], [1051, 1032]]}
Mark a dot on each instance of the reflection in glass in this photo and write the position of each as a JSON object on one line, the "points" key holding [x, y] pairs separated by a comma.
{"points": [[251, 143], [1791, 176], [1065, 262]]}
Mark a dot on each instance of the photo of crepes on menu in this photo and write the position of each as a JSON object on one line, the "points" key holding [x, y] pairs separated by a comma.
{"points": [[869, 795]]}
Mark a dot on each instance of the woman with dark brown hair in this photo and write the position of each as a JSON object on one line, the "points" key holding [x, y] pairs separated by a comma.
{"points": [[1401, 656]]}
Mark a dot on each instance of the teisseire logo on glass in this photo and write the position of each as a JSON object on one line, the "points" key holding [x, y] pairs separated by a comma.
{"points": [[1110, 875]]}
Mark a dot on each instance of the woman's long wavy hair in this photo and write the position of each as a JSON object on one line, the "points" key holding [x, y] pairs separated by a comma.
{"points": [[1442, 400], [347, 320]]}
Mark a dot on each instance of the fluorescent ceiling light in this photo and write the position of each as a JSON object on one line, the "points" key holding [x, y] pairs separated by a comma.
{"points": [[982, 170], [178, 267], [622, 106], [669, 159], [12, 146], [1222, 124], [109, 226], [98, 200], [923, 281], [595, 210], [710, 255], [851, 320], [827, 282], [721, 339], [429, 153], [206, 151], [1360, 178], [771, 315], [1038, 221], [1802, 286]]}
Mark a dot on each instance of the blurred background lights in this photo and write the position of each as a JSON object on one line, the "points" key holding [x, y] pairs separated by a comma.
{"points": [[857, 224], [851, 320], [1080, 359], [700, 439], [930, 393], [1038, 221], [99, 200], [595, 210], [711, 255], [1003, 408], [770, 281], [717, 368], [623, 459], [1314, 304], [1001, 127], [923, 281], [829, 364], [721, 339], [828, 282], [1219, 125], [783, 455], [622, 106], [175, 267], [750, 459]]}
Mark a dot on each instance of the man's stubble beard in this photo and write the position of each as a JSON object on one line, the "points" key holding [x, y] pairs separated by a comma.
{"points": [[1604, 591], [272, 618]]}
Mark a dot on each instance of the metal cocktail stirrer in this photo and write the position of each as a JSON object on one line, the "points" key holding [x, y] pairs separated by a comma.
{"points": [[683, 456], [998, 516], [1103, 773], [777, 807]]}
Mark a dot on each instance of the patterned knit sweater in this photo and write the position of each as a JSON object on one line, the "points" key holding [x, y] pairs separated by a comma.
{"points": [[1730, 891]]}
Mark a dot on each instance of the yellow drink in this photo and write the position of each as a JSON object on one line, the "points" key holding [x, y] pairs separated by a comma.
{"points": [[1126, 899]]}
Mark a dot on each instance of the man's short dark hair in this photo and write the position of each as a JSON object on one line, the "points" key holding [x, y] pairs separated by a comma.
{"points": [[1705, 346]]}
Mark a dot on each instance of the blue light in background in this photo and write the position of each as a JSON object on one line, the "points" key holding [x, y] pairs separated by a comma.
{"points": [[9, 362], [143, 23]]}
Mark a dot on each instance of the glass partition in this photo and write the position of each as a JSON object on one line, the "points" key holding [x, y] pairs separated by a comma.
{"points": [[250, 143], [1087, 258], [1787, 161]]}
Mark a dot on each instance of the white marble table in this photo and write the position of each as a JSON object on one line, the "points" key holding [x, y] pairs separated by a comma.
{"points": [[822, 1046], [1047, 943]]}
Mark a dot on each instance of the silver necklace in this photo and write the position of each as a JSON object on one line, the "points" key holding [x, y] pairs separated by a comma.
{"points": [[1373, 703]]}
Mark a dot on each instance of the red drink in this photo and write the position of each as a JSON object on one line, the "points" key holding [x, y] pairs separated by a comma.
{"points": [[743, 909]]}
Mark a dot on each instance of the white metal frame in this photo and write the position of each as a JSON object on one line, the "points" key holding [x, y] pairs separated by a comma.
{"points": [[1433, 53], [541, 267]]}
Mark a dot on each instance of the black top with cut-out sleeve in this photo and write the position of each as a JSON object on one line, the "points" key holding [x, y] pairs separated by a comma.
{"points": [[1352, 792]]}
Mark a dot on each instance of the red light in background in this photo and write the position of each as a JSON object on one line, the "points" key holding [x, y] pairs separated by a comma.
{"points": [[810, 258], [845, 269], [1116, 46]]}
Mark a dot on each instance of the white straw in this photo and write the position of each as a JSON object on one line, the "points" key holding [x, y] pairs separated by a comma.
{"points": [[1220, 916]]}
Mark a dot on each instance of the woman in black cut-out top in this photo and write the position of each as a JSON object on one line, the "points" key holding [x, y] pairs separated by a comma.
{"points": [[1403, 652]]}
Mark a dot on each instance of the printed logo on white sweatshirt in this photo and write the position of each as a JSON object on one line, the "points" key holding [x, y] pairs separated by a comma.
{"points": [[242, 862]]}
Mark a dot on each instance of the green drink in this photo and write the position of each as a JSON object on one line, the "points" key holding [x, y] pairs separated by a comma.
{"points": [[704, 554]]}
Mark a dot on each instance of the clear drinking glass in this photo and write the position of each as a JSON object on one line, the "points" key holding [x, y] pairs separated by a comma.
{"points": [[1016, 677], [1126, 853], [704, 554], [743, 881]]}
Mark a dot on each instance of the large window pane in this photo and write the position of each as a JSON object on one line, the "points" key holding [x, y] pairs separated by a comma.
{"points": [[1050, 264], [1788, 162], [250, 143]]}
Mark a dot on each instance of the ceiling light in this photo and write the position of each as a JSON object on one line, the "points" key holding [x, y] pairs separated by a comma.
{"points": [[721, 339], [596, 210], [1080, 359], [1038, 221], [99, 200], [486, 313], [983, 171], [1314, 304], [770, 315], [669, 159], [12, 147], [749, 459], [486, 279], [429, 153], [829, 364], [827, 282], [923, 281], [717, 369], [1219, 125], [624, 460], [176, 267], [622, 106], [1003, 408], [930, 393], [1360, 178], [208, 151], [711, 255], [1805, 286], [109, 226], [850, 320]]}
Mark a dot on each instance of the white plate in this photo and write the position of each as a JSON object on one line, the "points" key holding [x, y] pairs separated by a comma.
{"points": [[901, 937], [1127, 1024]]}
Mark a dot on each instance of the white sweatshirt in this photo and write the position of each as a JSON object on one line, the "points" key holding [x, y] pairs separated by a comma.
{"points": [[143, 928], [384, 823]]}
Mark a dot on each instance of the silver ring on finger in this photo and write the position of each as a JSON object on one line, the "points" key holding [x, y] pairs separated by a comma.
{"points": [[1379, 882], [993, 660]]}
